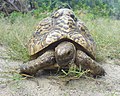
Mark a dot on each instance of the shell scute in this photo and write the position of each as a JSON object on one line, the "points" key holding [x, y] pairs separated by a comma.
{"points": [[61, 25]]}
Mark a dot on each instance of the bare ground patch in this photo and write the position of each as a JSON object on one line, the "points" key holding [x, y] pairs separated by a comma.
{"points": [[42, 85]]}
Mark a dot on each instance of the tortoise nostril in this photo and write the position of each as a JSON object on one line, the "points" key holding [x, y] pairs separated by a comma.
{"points": [[68, 53]]}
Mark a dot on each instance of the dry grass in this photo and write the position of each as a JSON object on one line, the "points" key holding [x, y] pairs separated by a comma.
{"points": [[15, 36], [106, 33]]}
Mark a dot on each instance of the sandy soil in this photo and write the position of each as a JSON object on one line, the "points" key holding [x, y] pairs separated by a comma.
{"points": [[44, 85]]}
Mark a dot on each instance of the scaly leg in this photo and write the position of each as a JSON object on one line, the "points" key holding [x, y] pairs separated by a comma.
{"points": [[45, 60], [86, 62]]}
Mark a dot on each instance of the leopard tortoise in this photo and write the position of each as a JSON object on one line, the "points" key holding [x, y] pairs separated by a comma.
{"points": [[59, 41]]}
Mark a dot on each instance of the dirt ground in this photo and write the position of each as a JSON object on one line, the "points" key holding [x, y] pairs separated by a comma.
{"points": [[44, 85]]}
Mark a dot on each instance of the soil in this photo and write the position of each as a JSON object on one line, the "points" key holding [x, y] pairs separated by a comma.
{"points": [[48, 85]]}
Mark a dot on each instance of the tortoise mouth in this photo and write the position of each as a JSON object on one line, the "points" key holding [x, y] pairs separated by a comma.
{"points": [[65, 62], [53, 45]]}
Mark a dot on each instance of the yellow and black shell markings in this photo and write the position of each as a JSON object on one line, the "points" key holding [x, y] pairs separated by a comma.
{"points": [[86, 34], [65, 24], [36, 43], [63, 11], [61, 26], [44, 26]]}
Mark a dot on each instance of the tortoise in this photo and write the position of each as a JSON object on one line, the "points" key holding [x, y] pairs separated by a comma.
{"points": [[61, 40]]}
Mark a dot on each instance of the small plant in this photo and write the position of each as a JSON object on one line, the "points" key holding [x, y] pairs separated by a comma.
{"points": [[13, 16], [113, 94], [16, 77], [75, 72], [1, 15], [38, 13]]}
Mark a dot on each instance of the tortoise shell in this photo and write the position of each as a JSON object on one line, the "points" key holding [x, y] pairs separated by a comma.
{"points": [[62, 25]]}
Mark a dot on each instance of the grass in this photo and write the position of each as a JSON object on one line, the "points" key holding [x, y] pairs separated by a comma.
{"points": [[15, 32], [75, 72], [106, 33]]}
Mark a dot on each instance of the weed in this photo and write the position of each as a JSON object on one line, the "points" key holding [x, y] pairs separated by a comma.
{"points": [[75, 72], [16, 77], [113, 94]]}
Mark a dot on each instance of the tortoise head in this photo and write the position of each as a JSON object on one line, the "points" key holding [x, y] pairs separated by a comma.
{"points": [[65, 53], [64, 12]]}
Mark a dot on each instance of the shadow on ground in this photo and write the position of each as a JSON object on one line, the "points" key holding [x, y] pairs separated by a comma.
{"points": [[42, 85]]}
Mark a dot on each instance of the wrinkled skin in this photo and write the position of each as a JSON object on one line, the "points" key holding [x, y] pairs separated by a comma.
{"points": [[65, 54]]}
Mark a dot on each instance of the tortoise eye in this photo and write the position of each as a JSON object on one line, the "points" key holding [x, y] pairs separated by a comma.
{"points": [[69, 53]]}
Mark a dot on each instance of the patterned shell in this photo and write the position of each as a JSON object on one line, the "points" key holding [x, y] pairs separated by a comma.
{"points": [[62, 24]]}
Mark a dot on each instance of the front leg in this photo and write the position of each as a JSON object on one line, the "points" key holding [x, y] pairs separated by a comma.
{"points": [[45, 60], [86, 62]]}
